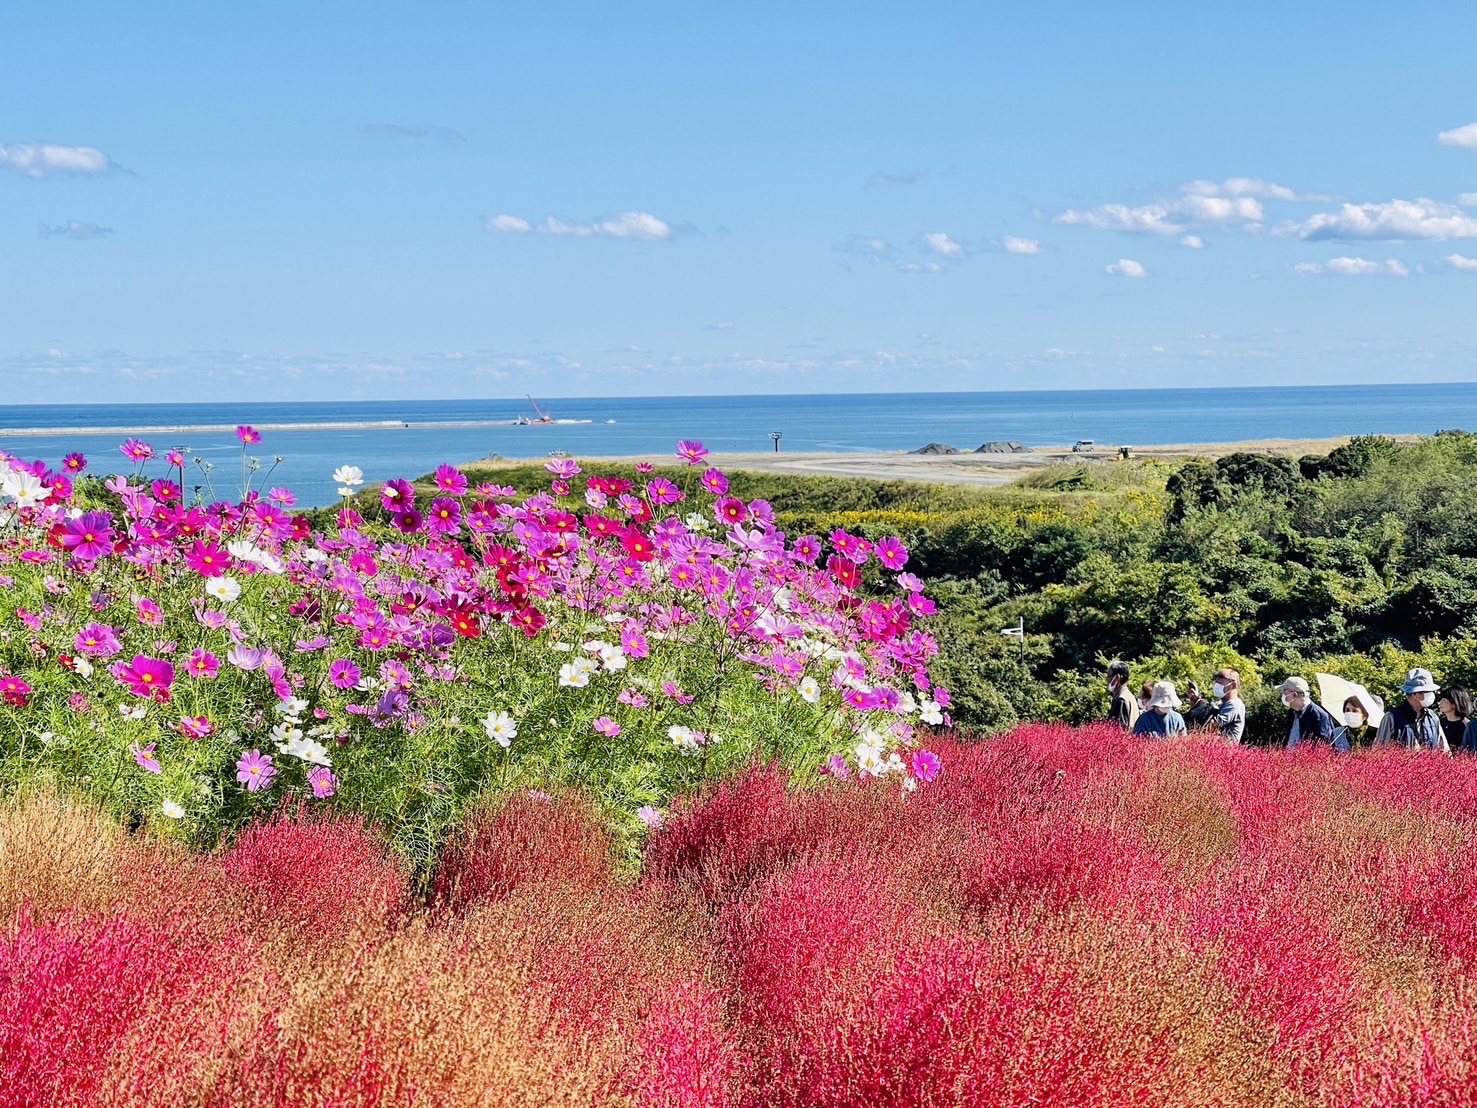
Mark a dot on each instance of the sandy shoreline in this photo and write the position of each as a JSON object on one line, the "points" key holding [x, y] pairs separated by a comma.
{"points": [[964, 469]]}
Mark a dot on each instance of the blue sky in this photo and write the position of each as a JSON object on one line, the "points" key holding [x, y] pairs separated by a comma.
{"points": [[331, 200]]}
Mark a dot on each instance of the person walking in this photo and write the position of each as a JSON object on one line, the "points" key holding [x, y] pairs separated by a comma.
{"points": [[1310, 724], [1161, 721], [1455, 706], [1198, 709], [1125, 709], [1413, 723], [1363, 712], [1230, 713]]}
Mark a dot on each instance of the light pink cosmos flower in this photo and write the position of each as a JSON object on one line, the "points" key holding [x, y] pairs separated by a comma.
{"points": [[650, 816], [196, 727], [324, 783], [607, 727], [633, 697], [255, 770]]}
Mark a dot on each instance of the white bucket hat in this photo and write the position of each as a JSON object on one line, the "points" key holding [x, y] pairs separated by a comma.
{"points": [[1164, 695]]}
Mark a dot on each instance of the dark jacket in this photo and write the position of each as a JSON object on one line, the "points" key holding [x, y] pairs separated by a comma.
{"points": [[1314, 726], [1469, 737], [1125, 709]]}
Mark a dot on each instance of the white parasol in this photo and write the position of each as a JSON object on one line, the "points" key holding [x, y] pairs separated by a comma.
{"points": [[1334, 691]]}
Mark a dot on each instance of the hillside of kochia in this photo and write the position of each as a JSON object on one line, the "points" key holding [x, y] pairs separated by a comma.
{"points": [[1066, 917], [1361, 563]]}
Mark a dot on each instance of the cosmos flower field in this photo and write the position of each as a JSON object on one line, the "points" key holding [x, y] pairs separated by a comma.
{"points": [[615, 795]]}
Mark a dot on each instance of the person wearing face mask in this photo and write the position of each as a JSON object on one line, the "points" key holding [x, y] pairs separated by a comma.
{"points": [[1198, 710], [1455, 706], [1124, 710], [1161, 720], [1310, 723], [1230, 713], [1363, 712], [1413, 723]]}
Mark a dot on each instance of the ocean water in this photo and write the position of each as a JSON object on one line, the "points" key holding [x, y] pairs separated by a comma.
{"points": [[652, 425]]}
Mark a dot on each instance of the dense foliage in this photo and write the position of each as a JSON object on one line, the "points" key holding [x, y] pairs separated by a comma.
{"points": [[1361, 563], [1073, 918]]}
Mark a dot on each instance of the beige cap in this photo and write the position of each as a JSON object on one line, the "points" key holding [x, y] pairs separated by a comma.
{"points": [[1294, 684]]}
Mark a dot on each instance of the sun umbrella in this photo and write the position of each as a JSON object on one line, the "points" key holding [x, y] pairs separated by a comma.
{"points": [[1334, 691]]}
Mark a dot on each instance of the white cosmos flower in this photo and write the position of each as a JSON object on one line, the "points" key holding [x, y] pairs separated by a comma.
{"points": [[683, 738], [810, 690], [284, 732], [348, 475], [25, 488], [501, 728], [572, 675], [292, 706], [248, 551], [906, 705], [172, 809], [81, 666], [132, 712], [315, 753], [869, 757], [696, 521], [223, 588], [930, 711], [313, 554]]}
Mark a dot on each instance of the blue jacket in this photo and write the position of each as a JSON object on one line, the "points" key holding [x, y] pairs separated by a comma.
{"points": [[1152, 725], [1314, 725], [1401, 728], [1469, 737]]}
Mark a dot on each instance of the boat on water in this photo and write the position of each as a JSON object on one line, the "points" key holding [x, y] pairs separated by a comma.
{"points": [[542, 418]]}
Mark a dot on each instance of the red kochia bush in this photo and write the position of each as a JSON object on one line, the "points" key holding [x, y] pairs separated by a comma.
{"points": [[528, 838], [316, 877]]}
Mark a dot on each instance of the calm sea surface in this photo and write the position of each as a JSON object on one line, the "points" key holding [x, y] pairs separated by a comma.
{"points": [[652, 425]]}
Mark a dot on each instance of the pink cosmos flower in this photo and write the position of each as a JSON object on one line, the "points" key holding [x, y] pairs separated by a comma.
{"points": [[633, 697], [244, 657], [249, 436], [836, 766], [149, 612], [672, 689], [16, 691], [715, 481], [98, 640], [397, 495], [644, 468], [909, 582], [731, 510], [450, 480], [324, 783], [196, 727], [208, 559], [174, 458], [807, 549], [255, 770], [607, 727], [563, 468], [692, 452], [926, 765], [146, 676], [891, 552], [286, 497], [343, 674], [144, 756], [74, 463], [649, 816], [662, 491], [136, 450]]}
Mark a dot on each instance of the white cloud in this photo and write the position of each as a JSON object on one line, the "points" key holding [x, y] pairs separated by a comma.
{"points": [[1393, 220], [943, 245], [1222, 209], [1194, 242], [1457, 261], [725, 325], [868, 248], [1127, 267], [641, 226], [40, 159], [920, 267], [1247, 186], [1352, 267], [894, 180], [74, 229], [1013, 244], [1460, 136], [1467, 199], [1151, 219]]}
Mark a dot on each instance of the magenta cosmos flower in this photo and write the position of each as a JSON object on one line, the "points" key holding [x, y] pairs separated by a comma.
{"points": [[397, 495], [255, 770], [715, 481], [203, 664], [607, 727], [891, 552], [89, 536], [324, 783], [926, 765], [692, 452], [144, 756], [98, 640], [248, 435], [450, 480], [343, 674], [146, 676], [74, 463]]}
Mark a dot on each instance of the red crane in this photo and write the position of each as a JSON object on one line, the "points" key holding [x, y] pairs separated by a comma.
{"points": [[543, 416]]}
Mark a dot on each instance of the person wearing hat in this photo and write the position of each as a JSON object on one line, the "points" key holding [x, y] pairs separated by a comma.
{"points": [[1413, 723], [1230, 712], [1310, 723], [1363, 712], [1125, 709], [1160, 720]]}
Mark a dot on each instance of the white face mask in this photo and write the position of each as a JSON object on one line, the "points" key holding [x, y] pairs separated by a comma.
{"points": [[1287, 699], [1218, 690], [1427, 699], [1354, 719]]}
